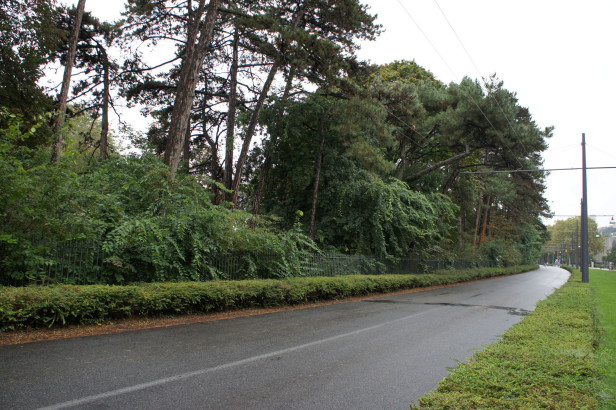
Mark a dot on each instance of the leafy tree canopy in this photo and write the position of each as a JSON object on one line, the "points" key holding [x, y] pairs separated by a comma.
{"points": [[28, 38], [564, 232]]}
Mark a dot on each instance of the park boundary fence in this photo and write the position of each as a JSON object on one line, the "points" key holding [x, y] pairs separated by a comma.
{"points": [[341, 264], [75, 261], [82, 261]]}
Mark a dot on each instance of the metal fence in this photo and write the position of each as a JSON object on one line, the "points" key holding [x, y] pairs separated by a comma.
{"points": [[83, 262], [331, 265], [78, 261]]}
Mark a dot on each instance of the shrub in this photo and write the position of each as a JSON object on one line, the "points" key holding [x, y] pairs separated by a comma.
{"points": [[59, 305]]}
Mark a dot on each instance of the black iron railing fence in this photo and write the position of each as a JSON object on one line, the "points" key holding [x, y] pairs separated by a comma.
{"points": [[76, 261], [84, 261]]}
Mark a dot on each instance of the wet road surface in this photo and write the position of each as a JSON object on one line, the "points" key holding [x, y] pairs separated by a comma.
{"points": [[380, 353]]}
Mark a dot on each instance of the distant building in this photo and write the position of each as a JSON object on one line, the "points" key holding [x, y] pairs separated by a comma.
{"points": [[608, 244]]}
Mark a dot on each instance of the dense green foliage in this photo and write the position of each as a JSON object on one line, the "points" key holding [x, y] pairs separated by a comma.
{"points": [[361, 209], [395, 132], [28, 37], [386, 218], [150, 228], [372, 160], [546, 361], [60, 305], [604, 284]]}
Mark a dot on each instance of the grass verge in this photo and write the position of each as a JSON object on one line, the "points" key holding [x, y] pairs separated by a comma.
{"points": [[548, 360], [39, 306], [604, 283]]}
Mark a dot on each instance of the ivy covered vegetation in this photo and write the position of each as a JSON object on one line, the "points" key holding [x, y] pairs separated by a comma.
{"points": [[269, 137], [151, 228]]}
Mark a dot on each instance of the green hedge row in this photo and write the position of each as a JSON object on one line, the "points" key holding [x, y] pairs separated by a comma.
{"points": [[59, 305], [547, 361]]}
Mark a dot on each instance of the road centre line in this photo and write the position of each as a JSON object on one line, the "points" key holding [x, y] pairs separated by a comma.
{"points": [[166, 380]]}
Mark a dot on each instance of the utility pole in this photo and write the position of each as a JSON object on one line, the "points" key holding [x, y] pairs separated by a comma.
{"points": [[585, 278], [577, 244]]}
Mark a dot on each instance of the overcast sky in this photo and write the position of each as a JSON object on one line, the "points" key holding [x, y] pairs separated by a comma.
{"points": [[558, 56]]}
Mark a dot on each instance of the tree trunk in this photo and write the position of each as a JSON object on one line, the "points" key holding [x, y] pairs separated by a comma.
{"points": [[189, 74], [265, 169], [186, 151], [478, 218], [484, 227], [228, 175], [105, 120], [460, 230], [66, 82], [438, 165], [451, 179], [287, 88], [267, 163], [402, 168], [317, 175], [252, 126], [254, 120]]}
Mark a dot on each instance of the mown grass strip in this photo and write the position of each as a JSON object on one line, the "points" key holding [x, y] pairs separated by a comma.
{"points": [[604, 283], [59, 305], [546, 361]]}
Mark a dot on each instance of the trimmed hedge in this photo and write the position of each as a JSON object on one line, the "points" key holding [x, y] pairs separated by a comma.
{"points": [[60, 305]]}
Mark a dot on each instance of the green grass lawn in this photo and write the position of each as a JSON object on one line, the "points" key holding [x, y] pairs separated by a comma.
{"points": [[546, 361], [604, 283]]}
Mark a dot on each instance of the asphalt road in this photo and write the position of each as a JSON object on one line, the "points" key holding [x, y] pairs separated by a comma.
{"points": [[380, 353]]}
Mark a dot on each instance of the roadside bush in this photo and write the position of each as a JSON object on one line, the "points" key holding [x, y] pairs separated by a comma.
{"points": [[59, 305]]}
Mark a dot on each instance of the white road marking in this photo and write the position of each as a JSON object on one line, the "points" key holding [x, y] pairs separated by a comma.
{"points": [[142, 386]]}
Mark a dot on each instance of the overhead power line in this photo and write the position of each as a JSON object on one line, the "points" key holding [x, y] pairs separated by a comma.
{"points": [[511, 171], [427, 38], [468, 96], [515, 133]]}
